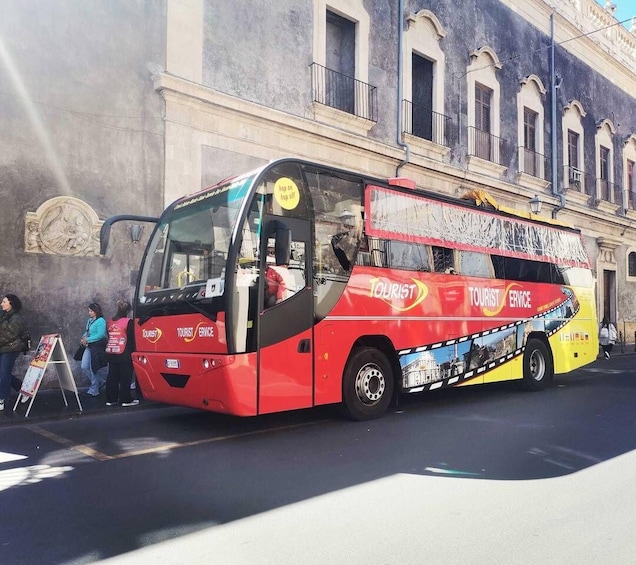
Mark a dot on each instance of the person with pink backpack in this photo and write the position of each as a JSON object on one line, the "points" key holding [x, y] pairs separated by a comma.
{"points": [[118, 350]]}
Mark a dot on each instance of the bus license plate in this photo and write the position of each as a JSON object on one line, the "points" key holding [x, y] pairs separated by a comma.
{"points": [[172, 364]]}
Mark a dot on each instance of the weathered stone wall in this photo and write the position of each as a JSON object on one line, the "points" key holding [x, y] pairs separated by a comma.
{"points": [[81, 123]]}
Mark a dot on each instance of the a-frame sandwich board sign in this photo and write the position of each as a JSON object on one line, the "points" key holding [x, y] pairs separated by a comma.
{"points": [[50, 351]]}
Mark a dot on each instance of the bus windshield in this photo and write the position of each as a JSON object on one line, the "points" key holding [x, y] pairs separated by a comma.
{"points": [[184, 267]]}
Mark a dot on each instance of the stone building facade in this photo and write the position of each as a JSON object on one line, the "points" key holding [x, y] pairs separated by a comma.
{"points": [[119, 107]]}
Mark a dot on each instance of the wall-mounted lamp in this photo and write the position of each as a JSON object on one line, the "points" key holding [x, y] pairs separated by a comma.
{"points": [[136, 231], [535, 204], [348, 219]]}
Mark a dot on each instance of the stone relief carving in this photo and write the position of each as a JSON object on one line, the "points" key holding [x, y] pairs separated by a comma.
{"points": [[63, 225], [606, 249]]}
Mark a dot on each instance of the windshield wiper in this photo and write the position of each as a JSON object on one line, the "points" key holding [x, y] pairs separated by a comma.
{"points": [[150, 311], [198, 308], [171, 307]]}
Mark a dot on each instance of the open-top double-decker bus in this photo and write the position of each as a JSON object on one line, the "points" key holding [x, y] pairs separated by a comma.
{"points": [[390, 289]]}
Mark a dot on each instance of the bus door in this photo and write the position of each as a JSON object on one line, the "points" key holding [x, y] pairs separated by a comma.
{"points": [[285, 322]]}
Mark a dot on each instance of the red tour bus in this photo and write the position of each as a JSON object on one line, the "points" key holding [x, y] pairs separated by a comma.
{"points": [[379, 289]]}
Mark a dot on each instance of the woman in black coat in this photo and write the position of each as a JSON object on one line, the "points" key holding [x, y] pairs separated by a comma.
{"points": [[13, 336]]}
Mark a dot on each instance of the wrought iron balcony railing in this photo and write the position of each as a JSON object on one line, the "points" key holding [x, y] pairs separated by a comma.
{"points": [[576, 180], [344, 93], [484, 145], [631, 200], [533, 163], [609, 191], [425, 123]]}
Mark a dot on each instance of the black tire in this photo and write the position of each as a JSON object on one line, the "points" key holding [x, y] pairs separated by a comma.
{"points": [[367, 384], [538, 369]]}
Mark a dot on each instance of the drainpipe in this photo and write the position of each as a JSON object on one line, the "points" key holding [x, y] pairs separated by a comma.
{"points": [[553, 124], [400, 142]]}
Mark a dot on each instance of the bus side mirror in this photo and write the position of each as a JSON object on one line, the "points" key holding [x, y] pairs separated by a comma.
{"points": [[283, 245]]}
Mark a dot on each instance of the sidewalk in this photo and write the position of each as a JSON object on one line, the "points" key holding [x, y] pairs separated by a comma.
{"points": [[49, 405]]}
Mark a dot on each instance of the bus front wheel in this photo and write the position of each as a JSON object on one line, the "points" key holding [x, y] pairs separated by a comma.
{"points": [[367, 384], [537, 366]]}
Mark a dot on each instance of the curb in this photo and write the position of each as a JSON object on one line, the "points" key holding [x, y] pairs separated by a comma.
{"points": [[48, 405]]}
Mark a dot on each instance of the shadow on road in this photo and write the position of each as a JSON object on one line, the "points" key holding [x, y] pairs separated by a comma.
{"points": [[162, 473]]}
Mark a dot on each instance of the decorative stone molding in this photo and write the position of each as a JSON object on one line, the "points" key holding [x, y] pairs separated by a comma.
{"points": [[427, 14], [425, 147], [575, 104], [530, 181], [341, 119], [485, 167], [63, 225], [631, 138], [607, 246], [488, 52], [608, 123], [536, 80]]}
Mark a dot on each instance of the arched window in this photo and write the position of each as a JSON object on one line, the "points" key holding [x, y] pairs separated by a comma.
{"points": [[631, 264], [629, 172], [423, 80], [530, 127], [484, 121], [605, 188], [573, 138]]}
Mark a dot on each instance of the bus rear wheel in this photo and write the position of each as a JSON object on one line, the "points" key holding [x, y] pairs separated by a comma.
{"points": [[367, 384], [537, 366]]}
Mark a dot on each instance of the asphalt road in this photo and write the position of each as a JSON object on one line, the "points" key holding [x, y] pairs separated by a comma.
{"points": [[477, 475]]}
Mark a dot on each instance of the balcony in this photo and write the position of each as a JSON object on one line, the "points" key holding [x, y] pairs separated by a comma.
{"points": [[344, 93], [533, 163], [631, 200], [533, 169], [576, 179], [425, 123], [484, 145], [609, 192]]}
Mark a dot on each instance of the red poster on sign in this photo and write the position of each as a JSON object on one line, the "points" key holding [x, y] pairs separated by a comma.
{"points": [[50, 351]]}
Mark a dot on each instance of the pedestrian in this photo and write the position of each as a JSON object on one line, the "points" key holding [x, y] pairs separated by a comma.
{"points": [[14, 338], [94, 339], [607, 336], [118, 351]]}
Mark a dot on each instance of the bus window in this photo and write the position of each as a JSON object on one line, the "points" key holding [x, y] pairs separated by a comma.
{"points": [[475, 264], [284, 279], [443, 260], [195, 265], [409, 256], [374, 253], [498, 266], [337, 212], [245, 293], [576, 276]]}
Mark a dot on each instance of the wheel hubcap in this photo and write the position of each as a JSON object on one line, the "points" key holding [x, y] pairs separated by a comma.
{"points": [[370, 384], [537, 366]]}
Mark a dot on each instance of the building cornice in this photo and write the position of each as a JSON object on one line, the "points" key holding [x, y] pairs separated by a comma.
{"points": [[609, 51]]}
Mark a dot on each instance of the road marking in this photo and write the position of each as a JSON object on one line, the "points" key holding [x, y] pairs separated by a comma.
{"points": [[7, 457], [84, 449], [99, 456]]}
